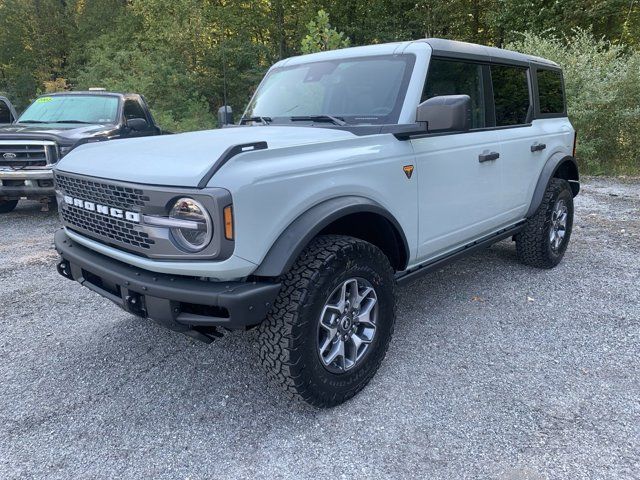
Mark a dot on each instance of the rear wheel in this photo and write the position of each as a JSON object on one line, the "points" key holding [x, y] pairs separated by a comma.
{"points": [[331, 325], [7, 206], [545, 237]]}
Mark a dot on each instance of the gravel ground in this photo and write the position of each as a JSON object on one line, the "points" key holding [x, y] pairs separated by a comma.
{"points": [[496, 371]]}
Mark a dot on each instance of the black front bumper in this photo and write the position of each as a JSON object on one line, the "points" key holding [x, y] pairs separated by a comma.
{"points": [[176, 302]]}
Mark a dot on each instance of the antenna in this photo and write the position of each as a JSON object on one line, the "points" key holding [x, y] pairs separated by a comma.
{"points": [[224, 73]]}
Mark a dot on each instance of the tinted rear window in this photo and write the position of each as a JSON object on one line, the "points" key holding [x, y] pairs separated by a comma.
{"points": [[511, 94], [550, 91]]}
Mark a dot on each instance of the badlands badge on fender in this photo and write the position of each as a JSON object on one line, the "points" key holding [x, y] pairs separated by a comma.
{"points": [[408, 170]]}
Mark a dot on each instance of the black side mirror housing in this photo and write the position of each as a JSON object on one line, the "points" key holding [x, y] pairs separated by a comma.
{"points": [[445, 113], [137, 124], [225, 116]]}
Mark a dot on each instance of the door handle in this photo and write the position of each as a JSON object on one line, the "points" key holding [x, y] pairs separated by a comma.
{"points": [[487, 157], [538, 147]]}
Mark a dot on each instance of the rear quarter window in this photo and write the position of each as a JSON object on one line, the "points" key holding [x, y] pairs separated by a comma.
{"points": [[550, 92]]}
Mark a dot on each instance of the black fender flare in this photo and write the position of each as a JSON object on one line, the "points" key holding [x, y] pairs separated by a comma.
{"points": [[556, 162], [303, 229]]}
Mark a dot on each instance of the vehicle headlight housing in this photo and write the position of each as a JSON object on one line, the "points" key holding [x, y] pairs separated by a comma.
{"points": [[196, 230]]}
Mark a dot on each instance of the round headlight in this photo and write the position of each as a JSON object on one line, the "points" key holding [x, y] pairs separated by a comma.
{"points": [[196, 232]]}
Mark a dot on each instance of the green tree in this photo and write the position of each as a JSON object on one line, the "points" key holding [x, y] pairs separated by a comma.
{"points": [[322, 36]]}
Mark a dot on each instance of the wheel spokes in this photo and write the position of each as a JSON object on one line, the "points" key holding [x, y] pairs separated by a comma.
{"points": [[347, 325]]}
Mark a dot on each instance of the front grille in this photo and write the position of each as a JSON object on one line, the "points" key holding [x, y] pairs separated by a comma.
{"points": [[100, 226], [105, 227], [127, 198], [24, 155]]}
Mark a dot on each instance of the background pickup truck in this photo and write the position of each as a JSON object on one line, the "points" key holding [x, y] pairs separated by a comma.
{"points": [[52, 126]]}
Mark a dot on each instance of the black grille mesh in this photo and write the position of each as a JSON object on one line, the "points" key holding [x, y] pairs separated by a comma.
{"points": [[105, 227], [116, 196], [99, 225]]}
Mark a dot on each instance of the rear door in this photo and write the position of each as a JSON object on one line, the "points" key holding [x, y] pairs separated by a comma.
{"points": [[7, 112], [524, 141], [459, 188]]}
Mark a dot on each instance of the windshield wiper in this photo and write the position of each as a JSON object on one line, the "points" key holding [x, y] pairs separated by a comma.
{"points": [[73, 121], [263, 120], [30, 121], [319, 118]]}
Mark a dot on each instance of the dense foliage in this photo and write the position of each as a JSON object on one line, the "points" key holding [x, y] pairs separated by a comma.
{"points": [[178, 52]]}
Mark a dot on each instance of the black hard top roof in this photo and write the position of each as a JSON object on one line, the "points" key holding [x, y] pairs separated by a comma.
{"points": [[453, 48]]}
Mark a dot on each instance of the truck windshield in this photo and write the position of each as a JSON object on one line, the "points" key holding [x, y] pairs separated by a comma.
{"points": [[72, 109], [366, 90]]}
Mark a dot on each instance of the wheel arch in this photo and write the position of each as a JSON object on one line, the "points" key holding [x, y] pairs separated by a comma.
{"points": [[559, 165], [355, 216]]}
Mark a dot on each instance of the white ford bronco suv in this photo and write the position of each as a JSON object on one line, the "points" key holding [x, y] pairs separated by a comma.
{"points": [[351, 172]]}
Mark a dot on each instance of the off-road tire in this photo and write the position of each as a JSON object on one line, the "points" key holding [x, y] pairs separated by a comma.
{"points": [[533, 245], [288, 337], [7, 206]]}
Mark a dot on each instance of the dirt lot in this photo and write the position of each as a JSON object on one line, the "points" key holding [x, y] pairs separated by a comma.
{"points": [[496, 371]]}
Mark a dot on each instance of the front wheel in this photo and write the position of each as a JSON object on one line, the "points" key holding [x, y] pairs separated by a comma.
{"points": [[331, 325], [7, 206], [545, 237]]}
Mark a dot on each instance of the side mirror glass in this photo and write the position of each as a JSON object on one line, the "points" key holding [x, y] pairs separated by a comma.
{"points": [[446, 113], [225, 116], [137, 124]]}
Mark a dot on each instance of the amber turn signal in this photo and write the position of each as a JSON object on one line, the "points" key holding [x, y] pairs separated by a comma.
{"points": [[228, 222]]}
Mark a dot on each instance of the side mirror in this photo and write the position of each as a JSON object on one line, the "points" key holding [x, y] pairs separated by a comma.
{"points": [[446, 113], [225, 116], [137, 124]]}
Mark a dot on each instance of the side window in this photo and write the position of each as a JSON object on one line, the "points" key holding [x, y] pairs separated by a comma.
{"points": [[550, 91], [450, 77], [5, 113], [510, 94], [132, 109]]}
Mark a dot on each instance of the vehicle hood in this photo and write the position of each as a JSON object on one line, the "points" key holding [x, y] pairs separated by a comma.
{"points": [[62, 133], [182, 159]]}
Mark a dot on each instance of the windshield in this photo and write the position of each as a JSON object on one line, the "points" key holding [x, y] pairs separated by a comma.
{"points": [[72, 109], [367, 90]]}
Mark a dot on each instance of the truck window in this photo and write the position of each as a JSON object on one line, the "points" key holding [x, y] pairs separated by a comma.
{"points": [[133, 109], [5, 113], [510, 94], [550, 91], [451, 77]]}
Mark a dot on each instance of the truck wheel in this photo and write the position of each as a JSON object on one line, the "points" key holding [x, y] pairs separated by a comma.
{"points": [[7, 206], [546, 235], [330, 327]]}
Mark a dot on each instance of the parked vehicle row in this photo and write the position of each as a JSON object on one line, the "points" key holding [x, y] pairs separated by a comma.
{"points": [[351, 172], [52, 126]]}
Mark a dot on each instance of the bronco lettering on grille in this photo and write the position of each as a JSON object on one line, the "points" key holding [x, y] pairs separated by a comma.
{"points": [[102, 209]]}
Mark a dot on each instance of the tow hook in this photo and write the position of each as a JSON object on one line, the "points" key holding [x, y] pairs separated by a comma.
{"points": [[64, 269], [204, 334], [135, 304]]}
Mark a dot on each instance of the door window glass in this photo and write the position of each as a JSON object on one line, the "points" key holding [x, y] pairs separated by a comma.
{"points": [[5, 113], [510, 94], [448, 77], [132, 109]]}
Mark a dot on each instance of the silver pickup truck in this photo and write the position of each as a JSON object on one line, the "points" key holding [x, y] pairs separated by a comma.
{"points": [[351, 172]]}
